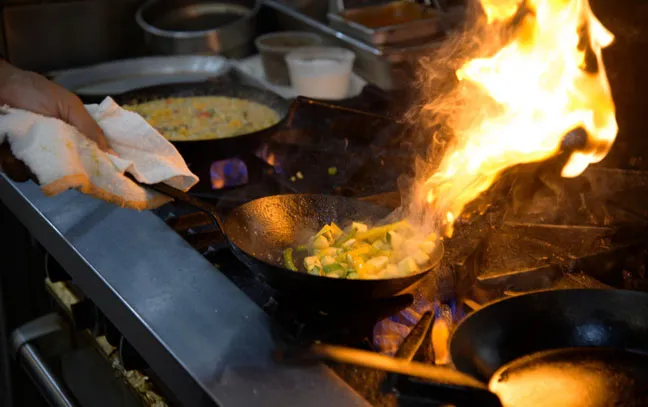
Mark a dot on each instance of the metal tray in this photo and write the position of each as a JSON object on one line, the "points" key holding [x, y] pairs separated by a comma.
{"points": [[352, 22], [388, 67], [121, 76]]}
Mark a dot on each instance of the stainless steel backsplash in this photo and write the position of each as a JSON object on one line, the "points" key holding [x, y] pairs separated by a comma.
{"points": [[50, 35]]}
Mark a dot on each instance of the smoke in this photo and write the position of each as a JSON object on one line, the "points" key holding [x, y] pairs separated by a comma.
{"points": [[444, 104]]}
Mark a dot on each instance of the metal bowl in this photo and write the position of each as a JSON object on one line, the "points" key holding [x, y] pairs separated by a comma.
{"points": [[225, 27]]}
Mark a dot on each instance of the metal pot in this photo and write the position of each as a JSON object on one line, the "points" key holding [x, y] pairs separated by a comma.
{"points": [[225, 27]]}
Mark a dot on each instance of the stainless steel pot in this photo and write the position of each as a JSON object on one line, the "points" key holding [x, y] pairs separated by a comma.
{"points": [[225, 27]]}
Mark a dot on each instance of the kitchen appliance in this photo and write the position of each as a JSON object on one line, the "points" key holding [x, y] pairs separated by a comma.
{"points": [[196, 325], [222, 27], [391, 23]]}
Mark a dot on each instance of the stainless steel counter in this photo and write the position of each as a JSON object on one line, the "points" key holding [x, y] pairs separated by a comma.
{"points": [[204, 337]]}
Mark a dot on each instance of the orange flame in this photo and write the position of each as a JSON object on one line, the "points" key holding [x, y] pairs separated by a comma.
{"points": [[548, 80]]}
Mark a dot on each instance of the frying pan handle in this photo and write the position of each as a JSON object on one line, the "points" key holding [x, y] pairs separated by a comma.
{"points": [[440, 384], [184, 197], [372, 360]]}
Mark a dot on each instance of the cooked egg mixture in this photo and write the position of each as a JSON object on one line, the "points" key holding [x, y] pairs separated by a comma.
{"points": [[205, 117]]}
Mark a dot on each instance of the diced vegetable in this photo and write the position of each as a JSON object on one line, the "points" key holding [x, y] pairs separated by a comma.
{"points": [[320, 243], [326, 232], [329, 251], [378, 262], [360, 252], [316, 271], [428, 246], [410, 247], [391, 271], [420, 257], [380, 231], [327, 261], [407, 266], [311, 262], [359, 227], [345, 237], [332, 170], [349, 243], [394, 239], [335, 268], [288, 259]]}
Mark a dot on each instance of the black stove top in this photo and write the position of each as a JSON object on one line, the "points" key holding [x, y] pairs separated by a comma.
{"points": [[545, 232]]}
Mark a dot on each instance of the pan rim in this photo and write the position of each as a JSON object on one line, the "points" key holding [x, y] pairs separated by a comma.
{"points": [[440, 251], [502, 370], [536, 293], [282, 110]]}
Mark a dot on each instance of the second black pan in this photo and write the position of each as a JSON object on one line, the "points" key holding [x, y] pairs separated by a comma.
{"points": [[216, 149], [559, 348], [260, 230]]}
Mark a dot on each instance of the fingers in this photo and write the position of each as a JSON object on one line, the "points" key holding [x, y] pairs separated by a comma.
{"points": [[33, 92], [13, 167], [73, 112]]}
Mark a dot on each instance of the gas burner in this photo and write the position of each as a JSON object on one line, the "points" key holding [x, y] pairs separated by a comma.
{"points": [[530, 231], [334, 323], [228, 173]]}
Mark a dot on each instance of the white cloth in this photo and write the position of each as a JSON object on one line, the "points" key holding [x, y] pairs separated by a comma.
{"points": [[62, 158]]}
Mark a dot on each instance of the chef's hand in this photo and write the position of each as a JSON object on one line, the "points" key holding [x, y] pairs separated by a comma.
{"points": [[30, 91]]}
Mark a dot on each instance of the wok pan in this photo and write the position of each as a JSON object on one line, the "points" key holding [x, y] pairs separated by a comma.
{"points": [[194, 151], [259, 231], [571, 347]]}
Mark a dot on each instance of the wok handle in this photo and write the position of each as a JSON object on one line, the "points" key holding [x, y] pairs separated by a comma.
{"points": [[440, 384], [372, 360], [184, 197]]}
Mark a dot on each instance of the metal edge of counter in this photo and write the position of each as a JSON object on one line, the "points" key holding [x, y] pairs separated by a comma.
{"points": [[205, 339]]}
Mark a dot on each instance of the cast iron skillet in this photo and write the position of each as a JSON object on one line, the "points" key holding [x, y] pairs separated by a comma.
{"points": [[259, 231], [210, 150], [570, 347]]}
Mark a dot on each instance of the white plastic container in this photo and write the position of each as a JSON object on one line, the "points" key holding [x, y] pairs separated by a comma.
{"points": [[321, 72]]}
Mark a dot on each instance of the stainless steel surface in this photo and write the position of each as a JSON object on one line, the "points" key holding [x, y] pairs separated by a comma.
{"points": [[116, 77], [335, 6], [29, 357], [386, 67], [44, 36], [420, 29], [224, 27], [205, 339]]}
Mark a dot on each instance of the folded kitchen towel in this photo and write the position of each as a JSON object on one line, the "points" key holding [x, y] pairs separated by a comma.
{"points": [[62, 158]]}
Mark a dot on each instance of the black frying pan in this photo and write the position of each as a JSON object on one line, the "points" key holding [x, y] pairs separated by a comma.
{"points": [[260, 230], [573, 347], [211, 150]]}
